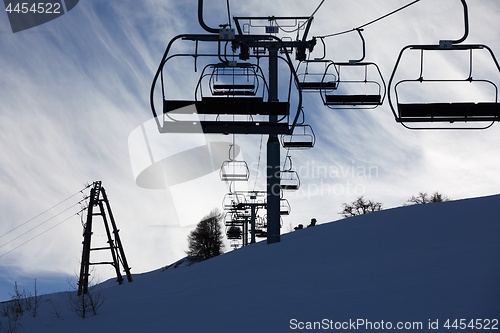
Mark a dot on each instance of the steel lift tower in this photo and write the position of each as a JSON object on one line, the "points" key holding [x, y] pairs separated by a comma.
{"points": [[236, 108]]}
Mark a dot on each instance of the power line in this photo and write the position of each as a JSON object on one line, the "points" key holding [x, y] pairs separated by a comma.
{"points": [[371, 22], [37, 226], [40, 234], [45, 211]]}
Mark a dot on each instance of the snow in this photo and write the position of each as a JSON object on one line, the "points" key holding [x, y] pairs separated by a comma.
{"points": [[415, 264]]}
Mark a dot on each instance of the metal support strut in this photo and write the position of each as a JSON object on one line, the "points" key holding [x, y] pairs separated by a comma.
{"points": [[273, 157]]}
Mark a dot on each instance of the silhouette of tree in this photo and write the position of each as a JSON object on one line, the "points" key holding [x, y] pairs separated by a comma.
{"points": [[205, 241], [424, 198], [360, 206]]}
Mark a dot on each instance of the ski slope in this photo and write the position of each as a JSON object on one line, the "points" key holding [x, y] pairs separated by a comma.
{"points": [[422, 264]]}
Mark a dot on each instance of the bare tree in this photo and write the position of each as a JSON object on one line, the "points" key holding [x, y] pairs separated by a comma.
{"points": [[360, 206], [21, 302], [86, 302], [424, 198], [206, 241]]}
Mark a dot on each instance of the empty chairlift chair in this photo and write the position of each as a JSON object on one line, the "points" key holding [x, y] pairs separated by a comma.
{"points": [[313, 77], [285, 208], [469, 97], [303, 137], [232, 200], [233, 170], [359, 85], [289, 179], [466, 97], [261, 227], [230, 97]]}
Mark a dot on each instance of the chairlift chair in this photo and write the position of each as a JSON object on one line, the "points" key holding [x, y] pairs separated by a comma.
{"points": [[313, 76], [234, 232], [230, 97], [232, 200], [232, 79], [464, 108], [233, 170], [359, 85], [261, 227], [289, 179], [234, 217], [261, 233], [285, 208], [303, 137]]}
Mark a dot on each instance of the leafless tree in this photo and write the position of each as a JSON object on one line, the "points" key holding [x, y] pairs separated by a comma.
{"points": [[206, 241], [360, 206], [424, 198]]}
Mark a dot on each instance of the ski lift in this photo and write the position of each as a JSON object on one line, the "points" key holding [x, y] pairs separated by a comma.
{"points": [[463, 105], [359, 84], [313, 77], [477, 102], [289, 179], [364, 79], [228, 218], [234, 217], [234, 232], [261, 227], [232, 200], [229, 96], [285, 208], [233, 170], [235, 79], [303, 137]]}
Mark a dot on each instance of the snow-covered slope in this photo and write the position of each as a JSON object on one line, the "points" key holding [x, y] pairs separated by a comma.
{"points": [[415, 264]]}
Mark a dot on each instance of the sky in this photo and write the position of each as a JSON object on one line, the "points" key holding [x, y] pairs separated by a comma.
{"points": [[75, 93]]}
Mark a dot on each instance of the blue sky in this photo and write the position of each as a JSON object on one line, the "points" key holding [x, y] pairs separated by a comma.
{"points": [[73, 91]]}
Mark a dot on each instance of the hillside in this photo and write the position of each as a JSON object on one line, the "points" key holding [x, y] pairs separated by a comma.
{"points": [[412, 264]]}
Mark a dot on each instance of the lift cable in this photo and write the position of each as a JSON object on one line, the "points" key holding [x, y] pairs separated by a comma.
{"points": [[371, 22], [288, 156], [40, 234], [258, 163], [228, 13], [317, 8], [45, 211], [305, 22]]}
